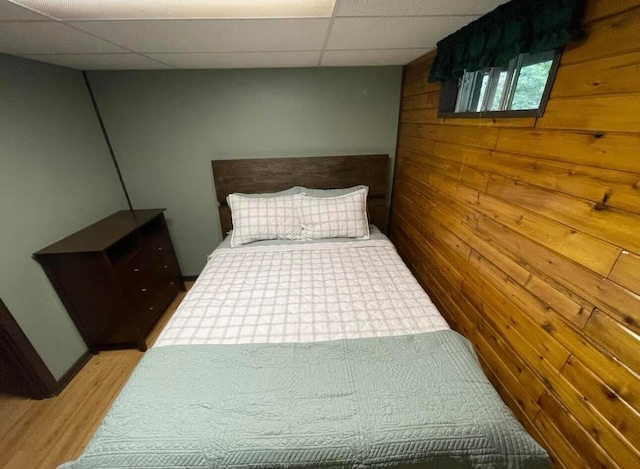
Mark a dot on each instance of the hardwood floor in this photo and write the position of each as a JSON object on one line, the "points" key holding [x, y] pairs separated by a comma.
{"points": [[46, 433]]}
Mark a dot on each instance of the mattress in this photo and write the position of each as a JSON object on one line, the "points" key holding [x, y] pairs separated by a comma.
{"points": [[302, 292]]}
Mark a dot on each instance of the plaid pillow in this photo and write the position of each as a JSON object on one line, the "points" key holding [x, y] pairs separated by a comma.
{"points": [[256, 219], [330, 192], [344, 216]]}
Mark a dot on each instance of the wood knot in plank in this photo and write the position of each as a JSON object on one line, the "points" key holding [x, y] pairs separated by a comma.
{"points": [[600, 206], [610, 393]]}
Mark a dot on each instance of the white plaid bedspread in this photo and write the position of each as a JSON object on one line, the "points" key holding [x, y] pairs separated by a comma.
{"points": [[302, 293]]}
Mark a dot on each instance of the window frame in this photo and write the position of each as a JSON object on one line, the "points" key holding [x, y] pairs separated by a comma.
{"points": [[449, 96]]}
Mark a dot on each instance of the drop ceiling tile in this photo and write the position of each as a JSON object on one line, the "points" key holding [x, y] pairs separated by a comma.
{"points": [[49, 38], [393, 33], [212, 35], [241, 59], [12, 12], [415, 7], [157, 9], [101, 61], [359, 58]]}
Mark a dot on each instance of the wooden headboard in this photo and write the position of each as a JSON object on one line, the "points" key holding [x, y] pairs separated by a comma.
{"points": [[318, 172]]}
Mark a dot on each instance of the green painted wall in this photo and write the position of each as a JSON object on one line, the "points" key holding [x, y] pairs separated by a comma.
{"points": [[56, 177], [166, 127]]}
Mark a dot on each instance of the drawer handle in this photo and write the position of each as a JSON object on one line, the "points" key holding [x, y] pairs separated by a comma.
{"points": [[136, 270], [166, 266], [159, 249], [170, 283], [151, 308], [143, 289]]}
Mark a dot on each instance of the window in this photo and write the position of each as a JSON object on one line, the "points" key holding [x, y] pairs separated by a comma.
{"points": [[521, 88]]}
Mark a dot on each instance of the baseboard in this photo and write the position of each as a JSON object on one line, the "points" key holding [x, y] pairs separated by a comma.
{"points": [[189, 278], [71, 372]]}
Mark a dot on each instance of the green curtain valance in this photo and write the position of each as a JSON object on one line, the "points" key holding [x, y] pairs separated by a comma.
{"points": [[513, 28]]}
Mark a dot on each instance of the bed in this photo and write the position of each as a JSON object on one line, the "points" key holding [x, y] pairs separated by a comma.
{"points": [[308, 353]]}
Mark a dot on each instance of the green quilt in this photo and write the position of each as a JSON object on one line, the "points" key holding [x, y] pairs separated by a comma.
{"points": [[408, 401]]}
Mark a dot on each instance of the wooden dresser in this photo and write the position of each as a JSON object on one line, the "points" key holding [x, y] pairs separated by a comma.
{"points": [[115, 277]]}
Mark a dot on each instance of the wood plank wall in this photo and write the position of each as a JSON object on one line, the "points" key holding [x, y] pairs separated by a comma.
{"points": [[526, 234]]}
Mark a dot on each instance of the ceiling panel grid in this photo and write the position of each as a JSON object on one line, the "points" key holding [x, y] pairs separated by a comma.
{"points": [[199, 34]]}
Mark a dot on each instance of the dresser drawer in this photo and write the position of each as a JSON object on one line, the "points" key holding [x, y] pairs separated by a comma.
{"points": [[134, 272], [159, 246], [156, 301], [143, 281], [144, 268]]}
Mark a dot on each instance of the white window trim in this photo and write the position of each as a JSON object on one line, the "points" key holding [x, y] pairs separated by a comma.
{"points": [[450, 105]]}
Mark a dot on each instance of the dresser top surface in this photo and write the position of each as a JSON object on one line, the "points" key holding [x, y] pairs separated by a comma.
{"points": [[102, 234]]}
